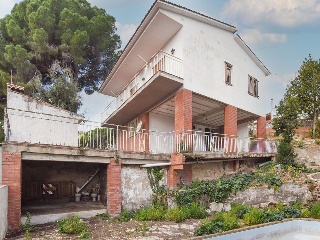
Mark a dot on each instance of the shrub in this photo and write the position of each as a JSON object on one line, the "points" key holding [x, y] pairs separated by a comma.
{"points": [[273, 215], [317, 141], [254, 216], [315, 211], [222, 221], [239, 210], [127, 215], [73, 226], [305, 213], [197, 211], [155, 212], [177, 214]]}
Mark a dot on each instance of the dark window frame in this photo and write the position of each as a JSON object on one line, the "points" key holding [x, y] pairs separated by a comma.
{"points": [[228, 73], [253, 86]]}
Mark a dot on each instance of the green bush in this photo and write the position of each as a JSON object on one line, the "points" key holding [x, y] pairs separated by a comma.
{"points": [[73, 226], [254, 216], [317, 141], [230, 221], [177, 214], [239, 210], [126, 215], [273, 215], [315, 211], [197, 211], [222, 221], [155, 213]]}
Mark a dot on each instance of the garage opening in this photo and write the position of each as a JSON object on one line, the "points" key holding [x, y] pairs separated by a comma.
{"points": [[49, 187]]}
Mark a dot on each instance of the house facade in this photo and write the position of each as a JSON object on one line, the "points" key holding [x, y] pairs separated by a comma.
{"points": [[192, 80]]}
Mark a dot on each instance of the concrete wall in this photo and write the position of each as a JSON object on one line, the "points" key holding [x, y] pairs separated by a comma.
{"points": [[3, 210], [136, 190], [263, 196], [34, 121], [204, 50], [214, 170]]}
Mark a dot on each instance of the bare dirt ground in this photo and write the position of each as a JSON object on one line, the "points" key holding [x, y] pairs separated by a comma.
{"points": [[109, 229]]}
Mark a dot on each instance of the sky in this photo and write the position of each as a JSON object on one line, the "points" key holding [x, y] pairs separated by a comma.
{"points": [[281, 33]]}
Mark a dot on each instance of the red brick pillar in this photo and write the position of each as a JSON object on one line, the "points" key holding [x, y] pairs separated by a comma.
{"points": [[261, 127], [261, 133], [114, 197], [174, 170], [183, 120], [231, 127], [12, 177]]}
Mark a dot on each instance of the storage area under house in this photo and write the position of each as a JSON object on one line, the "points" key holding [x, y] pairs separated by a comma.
{"points": [[49, 187]]}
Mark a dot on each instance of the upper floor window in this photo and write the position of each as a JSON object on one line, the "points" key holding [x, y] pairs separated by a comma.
{"points": [[253, 86], [228, 68]]}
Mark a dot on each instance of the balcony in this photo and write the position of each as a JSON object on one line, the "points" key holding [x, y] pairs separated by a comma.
{"points": [[120, 138], [156, 81]]}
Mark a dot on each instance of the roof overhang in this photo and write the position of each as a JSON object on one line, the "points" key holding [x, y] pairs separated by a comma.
{"points": [[146, 41], [158, 88], [257, 61]]}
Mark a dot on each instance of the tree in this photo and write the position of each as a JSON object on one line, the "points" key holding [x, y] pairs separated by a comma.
{"points": [[305, 88], [62, 90], [284, 123], [37, 33]]}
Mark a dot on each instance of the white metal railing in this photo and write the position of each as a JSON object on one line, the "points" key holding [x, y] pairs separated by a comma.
{"points": [[161, 61], [121, 138]]}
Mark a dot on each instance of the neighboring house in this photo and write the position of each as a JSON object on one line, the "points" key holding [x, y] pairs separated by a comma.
{"points": [[34, 121], [190, 75]]}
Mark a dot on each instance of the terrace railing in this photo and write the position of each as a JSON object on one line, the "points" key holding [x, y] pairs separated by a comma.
{"points": [[129, 139]]}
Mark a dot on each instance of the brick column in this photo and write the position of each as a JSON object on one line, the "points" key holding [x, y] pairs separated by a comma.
{"points": [[114, 197], [183, 120], [174, 170], [231, 126], [261, 127], [261, 133], [12, 177], [183, 110]]}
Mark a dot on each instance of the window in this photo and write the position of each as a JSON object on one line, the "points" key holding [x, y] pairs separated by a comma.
{"points": [[253, 86], [228, 68]]}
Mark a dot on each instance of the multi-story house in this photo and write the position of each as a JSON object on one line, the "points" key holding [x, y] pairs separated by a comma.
{"points": [[186, 82]]}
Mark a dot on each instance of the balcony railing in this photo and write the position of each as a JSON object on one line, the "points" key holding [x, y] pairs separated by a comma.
{"points": [[160, 62], [130, 139]]}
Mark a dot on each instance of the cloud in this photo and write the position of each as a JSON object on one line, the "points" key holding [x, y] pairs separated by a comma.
{"points": [[253, 36], [285, 13], [125, 31]]}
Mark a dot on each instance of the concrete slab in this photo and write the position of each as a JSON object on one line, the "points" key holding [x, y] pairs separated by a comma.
{"points": [[45, 212]]}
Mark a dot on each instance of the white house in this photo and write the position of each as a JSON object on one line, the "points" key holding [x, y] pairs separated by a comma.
{"points": [[34, 121], [187, 73]]}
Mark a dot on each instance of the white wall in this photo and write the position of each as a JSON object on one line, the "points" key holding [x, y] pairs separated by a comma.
{"points": [[3, 210], [243, 131], [34, 121], [161, 128], [205, 49]]}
